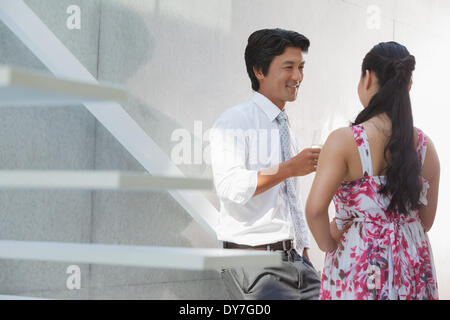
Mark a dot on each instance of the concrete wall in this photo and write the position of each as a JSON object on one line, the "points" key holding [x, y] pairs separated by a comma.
{"points": [[183, 62]]}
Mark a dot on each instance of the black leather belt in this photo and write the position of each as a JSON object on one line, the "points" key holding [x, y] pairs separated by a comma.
{"points": [[284, 245]]}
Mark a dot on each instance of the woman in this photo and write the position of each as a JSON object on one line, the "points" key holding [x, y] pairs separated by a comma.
{"points": [[383, 175]]}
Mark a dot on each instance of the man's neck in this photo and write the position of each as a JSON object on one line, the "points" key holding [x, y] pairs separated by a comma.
{"points": [[279, 104]]}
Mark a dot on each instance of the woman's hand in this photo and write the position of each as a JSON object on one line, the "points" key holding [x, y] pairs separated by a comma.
{"points": [[336, 234]]}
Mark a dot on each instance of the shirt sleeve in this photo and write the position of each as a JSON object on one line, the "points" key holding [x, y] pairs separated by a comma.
{"points": [[229, 152]]}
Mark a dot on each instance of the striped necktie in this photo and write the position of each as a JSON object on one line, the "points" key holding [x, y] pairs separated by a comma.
{"points": [[300, 232]]}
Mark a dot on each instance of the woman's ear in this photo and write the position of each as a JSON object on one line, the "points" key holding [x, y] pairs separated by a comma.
{"points": [[258, 73], [367, 81]]}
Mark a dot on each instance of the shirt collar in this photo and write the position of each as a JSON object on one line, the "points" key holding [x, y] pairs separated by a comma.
{"points": [[269, 108]]}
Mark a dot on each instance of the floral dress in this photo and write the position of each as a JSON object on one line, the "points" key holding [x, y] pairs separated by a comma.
{"points": [[382, 255]]}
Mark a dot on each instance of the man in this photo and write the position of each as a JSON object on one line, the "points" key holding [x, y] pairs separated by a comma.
{"points": [[256, 164]]}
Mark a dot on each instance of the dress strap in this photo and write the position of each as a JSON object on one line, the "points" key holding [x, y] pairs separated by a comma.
{"points": [[421, 145], [364, 150]]}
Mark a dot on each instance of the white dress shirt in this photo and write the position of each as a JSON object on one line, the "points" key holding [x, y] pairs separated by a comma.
{"points": [[244, 140]]}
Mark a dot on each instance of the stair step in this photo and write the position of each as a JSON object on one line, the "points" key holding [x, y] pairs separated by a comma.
{"points": [[24, 87], [96, 180], [138, 256]]}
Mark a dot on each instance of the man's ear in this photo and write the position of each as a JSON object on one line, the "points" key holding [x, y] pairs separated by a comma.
{"points": [[258, 73]]}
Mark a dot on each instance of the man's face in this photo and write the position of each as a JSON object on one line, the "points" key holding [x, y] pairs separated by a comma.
{"points": [[283, 78]]}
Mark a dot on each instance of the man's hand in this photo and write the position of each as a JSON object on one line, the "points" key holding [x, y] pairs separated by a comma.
{"points": [[336, 234], [305, 162], [300, 165]]}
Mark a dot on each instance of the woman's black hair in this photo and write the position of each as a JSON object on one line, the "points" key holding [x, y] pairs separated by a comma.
{"points": [[264, 45], [393, 66]]}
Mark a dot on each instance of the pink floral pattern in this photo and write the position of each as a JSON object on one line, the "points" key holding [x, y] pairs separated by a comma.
{"points": [[383, 255]]}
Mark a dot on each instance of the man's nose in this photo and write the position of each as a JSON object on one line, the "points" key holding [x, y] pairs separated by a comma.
{"points": [[297, 76]]}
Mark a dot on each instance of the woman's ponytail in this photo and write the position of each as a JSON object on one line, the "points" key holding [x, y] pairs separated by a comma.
{"points": [[393, 66]]}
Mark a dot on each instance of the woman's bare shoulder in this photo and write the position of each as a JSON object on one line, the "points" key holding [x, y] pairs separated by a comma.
{"points": [[339, 143], [341, 137]]}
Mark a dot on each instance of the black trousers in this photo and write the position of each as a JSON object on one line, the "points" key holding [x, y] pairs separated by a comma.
{"points": [[295, 279]]}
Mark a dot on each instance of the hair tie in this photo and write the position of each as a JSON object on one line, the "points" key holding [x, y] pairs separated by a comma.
{"points": [[403, 69]]}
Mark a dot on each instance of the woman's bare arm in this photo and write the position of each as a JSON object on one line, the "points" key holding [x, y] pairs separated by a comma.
{"points": [[431, 172], [331, 170]]}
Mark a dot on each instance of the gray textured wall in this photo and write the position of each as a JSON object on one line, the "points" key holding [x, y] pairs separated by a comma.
{"points": [[183, 62]]}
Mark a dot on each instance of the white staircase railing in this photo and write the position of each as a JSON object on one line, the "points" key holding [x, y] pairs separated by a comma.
{"points": [[128, 255], [21, 87], [29, 28]]}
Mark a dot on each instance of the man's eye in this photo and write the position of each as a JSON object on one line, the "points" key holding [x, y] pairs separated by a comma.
{"points": [[288, 68]]}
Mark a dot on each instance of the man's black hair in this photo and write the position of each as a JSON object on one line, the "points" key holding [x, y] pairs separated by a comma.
{"points": [[264, 45]]}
